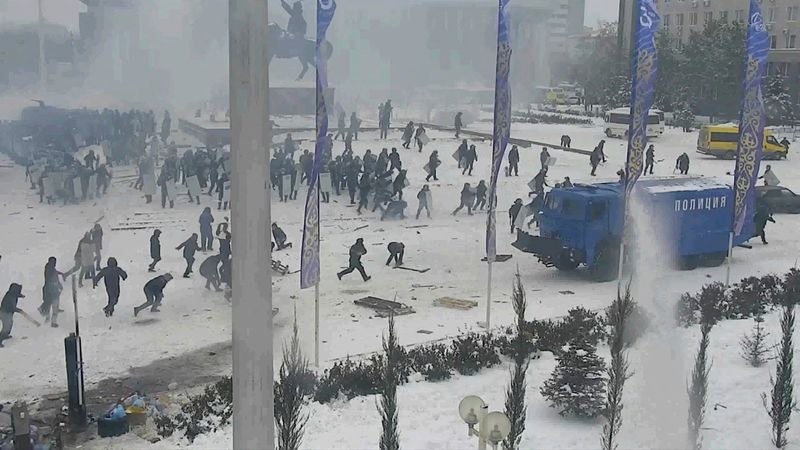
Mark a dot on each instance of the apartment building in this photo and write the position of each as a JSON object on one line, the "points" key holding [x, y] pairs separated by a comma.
{"points": [[681, 17]]}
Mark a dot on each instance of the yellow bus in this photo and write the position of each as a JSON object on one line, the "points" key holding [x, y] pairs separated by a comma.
{"points": [[721, 142]]}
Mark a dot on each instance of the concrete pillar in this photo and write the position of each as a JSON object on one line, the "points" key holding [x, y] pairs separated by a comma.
{"points": [[251, 135]]}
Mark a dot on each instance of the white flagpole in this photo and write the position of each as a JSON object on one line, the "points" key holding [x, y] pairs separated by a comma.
{"points": [[316, 324], [730, 258]]}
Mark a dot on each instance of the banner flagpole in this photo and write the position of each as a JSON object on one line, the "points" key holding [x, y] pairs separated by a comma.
{"points": [[500, 136], [752, 118], [644, 66], [309, 256]]}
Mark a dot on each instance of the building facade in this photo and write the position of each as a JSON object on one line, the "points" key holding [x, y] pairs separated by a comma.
{"points": [[682, 17]]}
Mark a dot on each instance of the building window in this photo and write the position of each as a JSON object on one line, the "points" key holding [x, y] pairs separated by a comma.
{"points": [[791, 13], [772, 15], [792, 41], [666, 20], [740, 15], [773, 41], [783, 68], [723, 16], [693, 18], [679, 19], [708, 16]]}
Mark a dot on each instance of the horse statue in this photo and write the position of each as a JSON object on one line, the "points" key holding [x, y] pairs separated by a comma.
{"points": [[285, 46]]}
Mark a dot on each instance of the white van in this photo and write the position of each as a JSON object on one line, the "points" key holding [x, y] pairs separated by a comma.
{"points": [[618, 120]]}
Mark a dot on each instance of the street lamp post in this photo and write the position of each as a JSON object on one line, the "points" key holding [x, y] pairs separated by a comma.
{"points": [[493, 427]]}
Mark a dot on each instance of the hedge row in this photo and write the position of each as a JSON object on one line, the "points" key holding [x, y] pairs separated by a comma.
{"points": [[467, 355], [559, 119], [750, 297]]}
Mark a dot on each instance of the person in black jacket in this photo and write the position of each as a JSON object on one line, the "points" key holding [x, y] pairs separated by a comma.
{"points": [[458, 123], [399, 184], [461, 152], [209, 269], [280, 237], [155, 250], [469, 159], [111, 274], [480, 195], [513, 212], [364, 187], [396, 251], [357, 250], [189, 247], [650, 160], [762, 216], [682, 164], [466, 200], [394, 160], [8, 307], [154, 293], [513, 161], [408, 134], [51, 292]]}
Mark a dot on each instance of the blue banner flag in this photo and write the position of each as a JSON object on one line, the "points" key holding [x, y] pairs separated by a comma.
{"points": [[309, 258], [752, 118], [502, 121], [643, 79]]}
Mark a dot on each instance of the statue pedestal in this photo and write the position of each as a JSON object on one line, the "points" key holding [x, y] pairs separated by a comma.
{"points": [[297, 101]]}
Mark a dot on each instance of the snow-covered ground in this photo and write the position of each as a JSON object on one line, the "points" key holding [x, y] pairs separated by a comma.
{"points": [[193, 318]]}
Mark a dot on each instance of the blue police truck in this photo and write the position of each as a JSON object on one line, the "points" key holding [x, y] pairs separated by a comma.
{"points": [[689, 218]]}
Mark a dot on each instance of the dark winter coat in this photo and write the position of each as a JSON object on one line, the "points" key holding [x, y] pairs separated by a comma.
{"points": [[155, 247], [10, 299], [682, 163], [206, 219], [278, 234], [394, 159], [111, 276], [395, 247], [513, 212], [650, 155], [461, 152], [513, 155], [156, 285], [471, 155], [209, 266], [480, 191], [189, 247], [357, 250]]}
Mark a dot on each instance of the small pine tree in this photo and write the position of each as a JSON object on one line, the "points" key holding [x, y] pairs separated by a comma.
{"points": [[515, 394], [577, 386], [782, 401], [390, 438], [699, 388], [617, 316], [290, 397], [755, 349]]}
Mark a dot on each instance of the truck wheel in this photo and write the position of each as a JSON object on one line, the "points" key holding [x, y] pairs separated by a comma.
{"points": [[608, 132], [688, 262], [566, 263], [606, 264], [712, 259]]}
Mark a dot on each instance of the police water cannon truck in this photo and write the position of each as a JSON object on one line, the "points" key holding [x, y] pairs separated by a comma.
{"points": [[688, 219]]}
